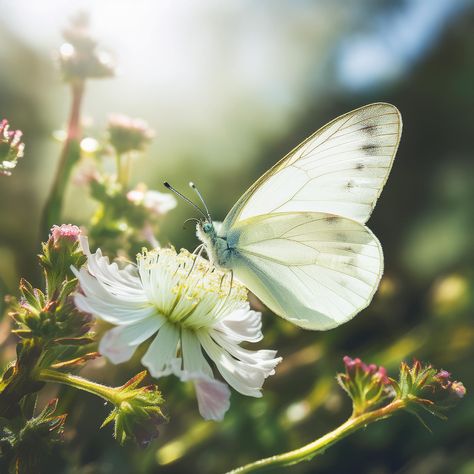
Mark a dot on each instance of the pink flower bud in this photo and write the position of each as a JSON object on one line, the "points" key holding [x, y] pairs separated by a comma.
{"points": [[366, 384], [66, 232], [381, 375]]}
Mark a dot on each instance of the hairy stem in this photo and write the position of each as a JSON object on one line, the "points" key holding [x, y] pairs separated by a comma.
{"points": [[70, 154], [102, 391], [318, 446]]}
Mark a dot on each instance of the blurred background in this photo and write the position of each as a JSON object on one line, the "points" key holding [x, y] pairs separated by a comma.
{"points": [[229, 88]]}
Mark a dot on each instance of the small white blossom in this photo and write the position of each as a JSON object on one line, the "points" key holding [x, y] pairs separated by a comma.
{"points": [[189, 308], [154, 201]]}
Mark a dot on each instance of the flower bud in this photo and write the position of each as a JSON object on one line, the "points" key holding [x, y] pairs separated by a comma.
{"points": [[137, 414], [64, 234], [367, 385], [60, 252], [127, 134], [11, 148], [423, 386]]}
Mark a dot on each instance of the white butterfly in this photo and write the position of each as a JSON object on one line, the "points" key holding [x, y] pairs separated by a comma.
{"points": [[297, 237]]}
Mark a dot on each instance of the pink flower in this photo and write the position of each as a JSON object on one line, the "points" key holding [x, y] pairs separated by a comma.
{"points": [[11, 147]]}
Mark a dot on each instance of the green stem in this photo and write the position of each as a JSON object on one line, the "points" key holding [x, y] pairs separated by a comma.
{"points": [[107, 393], [70, 154], [119, 164], [123, 169], [318, 446]]}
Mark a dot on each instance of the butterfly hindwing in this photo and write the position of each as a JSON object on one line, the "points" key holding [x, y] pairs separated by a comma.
{"points": [[315, 269]]}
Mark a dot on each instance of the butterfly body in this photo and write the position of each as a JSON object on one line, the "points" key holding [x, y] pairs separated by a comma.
{"points": [[216, 247], [297, 237]]}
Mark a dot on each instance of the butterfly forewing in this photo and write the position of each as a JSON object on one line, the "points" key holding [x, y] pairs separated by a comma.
{"points": [[340, 169]]}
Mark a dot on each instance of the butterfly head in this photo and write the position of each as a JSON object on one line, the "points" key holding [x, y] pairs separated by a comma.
{"points": [[205, 231], [206, 227]]}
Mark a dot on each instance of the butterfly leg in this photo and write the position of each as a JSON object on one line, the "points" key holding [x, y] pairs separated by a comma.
{"points": [[198, 249], [231, 282]]}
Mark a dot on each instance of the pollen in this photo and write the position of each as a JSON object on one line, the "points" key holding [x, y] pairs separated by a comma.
{"points": [[186, 288]]}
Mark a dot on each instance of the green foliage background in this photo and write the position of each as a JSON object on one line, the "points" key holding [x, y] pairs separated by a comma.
{"points": [[234, 128]]}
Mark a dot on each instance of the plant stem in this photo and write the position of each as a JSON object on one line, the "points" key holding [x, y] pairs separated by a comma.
{"points": [[119, 165], [107, 393], [19, 380], [123, 163], [318, 446], [70, 154]]}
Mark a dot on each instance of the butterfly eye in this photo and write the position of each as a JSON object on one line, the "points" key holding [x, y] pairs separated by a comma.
{"points": [[207, 227]]}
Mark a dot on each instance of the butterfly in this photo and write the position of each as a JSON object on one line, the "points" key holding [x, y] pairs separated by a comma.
{"points": [[297, 237]]}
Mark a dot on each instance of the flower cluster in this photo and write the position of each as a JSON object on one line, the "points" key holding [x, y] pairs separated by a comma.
{"points": [[11, 147], [78, 56], [418, 386], [188, 307], [128, 134], [423, 386], [127, 221], [367, 385], [50, 315]]}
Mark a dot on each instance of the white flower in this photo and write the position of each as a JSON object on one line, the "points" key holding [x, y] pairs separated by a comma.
{"points": [[188, 307], [154, 201]]}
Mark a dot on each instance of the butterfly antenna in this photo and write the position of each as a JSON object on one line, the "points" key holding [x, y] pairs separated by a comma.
{"points": [[193, 186], [182, 196], [188, 220]]}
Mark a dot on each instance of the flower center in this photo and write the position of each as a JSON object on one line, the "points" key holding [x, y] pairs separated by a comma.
{"points": [[187, 289]]}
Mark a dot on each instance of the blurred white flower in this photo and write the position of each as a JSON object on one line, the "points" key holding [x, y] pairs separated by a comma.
{"points": [[154, 201], [188, 307]]}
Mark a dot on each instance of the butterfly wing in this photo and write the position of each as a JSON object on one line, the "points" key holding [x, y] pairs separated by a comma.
{"points": [[317, 270], [340, 169]]}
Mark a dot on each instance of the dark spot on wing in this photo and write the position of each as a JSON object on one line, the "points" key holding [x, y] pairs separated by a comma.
{"points": [[359, 166], [348, 249], [370, 148], [370, 129], [349, 185], [331, 219]]}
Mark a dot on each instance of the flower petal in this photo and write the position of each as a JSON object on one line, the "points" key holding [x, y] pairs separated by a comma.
{"points": [[119, 344], [123, 281], [213, 398], [194, 362], [264, 360], [242, 325], [160, 358], [245, 378], [112, 312]]}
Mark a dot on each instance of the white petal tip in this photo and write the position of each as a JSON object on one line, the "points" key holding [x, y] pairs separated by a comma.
{"points": [[111, 347], [213, 398]]}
